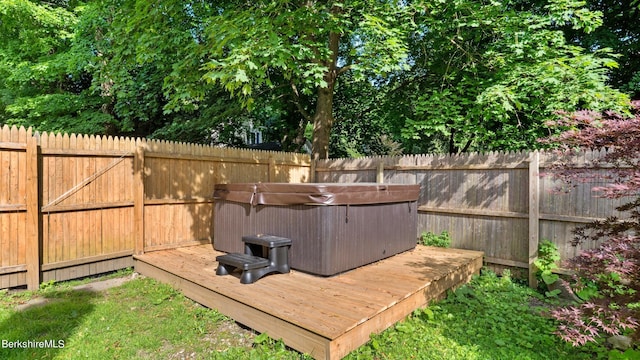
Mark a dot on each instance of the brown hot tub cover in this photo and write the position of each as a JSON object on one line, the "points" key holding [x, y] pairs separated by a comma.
{"points": [[316, 193]]}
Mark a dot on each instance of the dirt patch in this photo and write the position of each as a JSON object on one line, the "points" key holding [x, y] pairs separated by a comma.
{"points": [[227, 334], [230, 334], [95, 286], [33, 303], [105, 284]]}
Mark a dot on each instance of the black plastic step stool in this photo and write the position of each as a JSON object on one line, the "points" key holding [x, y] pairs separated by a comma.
{"points": [[263, 254]]}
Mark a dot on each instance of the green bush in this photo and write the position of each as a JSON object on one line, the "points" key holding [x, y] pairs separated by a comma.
{"points": [[548, 256], [430, 239]]}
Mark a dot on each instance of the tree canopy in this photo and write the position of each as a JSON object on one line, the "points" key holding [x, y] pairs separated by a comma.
{"points": [[44, 79], [488, 75], [306, 46], [358, 77], [620, 32]]}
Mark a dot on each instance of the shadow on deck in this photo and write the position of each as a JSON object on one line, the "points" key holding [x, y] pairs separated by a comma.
{"points": [[326, 317]]}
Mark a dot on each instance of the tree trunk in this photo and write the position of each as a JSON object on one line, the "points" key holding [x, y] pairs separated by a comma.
{"points": [[322, 123], [323, 116]]}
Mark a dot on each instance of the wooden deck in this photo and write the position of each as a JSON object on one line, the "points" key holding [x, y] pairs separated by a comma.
{"points": [[326, 317]]}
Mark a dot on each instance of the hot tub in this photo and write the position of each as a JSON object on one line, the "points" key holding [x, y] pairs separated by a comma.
{"points": [[333, 227]]}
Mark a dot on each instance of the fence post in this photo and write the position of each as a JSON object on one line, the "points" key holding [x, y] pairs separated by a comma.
{"points": [[138, 199], [33, 245], [272, 169], [534, 214], [313, 170], [380, 172]]}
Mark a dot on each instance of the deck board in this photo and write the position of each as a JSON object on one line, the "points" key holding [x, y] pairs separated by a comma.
{"points": [[326, 317]]}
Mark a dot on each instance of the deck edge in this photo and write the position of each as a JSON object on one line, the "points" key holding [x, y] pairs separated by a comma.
{"points": [[300, 338], [360, 335], [294, 336]]}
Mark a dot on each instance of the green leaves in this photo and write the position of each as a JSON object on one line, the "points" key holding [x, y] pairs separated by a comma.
{"points": [[256, 41], [261, 39], [430, 239], [44, 81], [494, 73], [439, 75], [383, 48], [33, 30], [574, 13]]}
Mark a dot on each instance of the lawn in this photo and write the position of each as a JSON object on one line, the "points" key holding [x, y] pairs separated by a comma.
{"points": [[491, 318], [141, 319]]}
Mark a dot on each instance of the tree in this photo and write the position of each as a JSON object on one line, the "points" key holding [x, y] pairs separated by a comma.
{"points": [[44, 79], [135, 46], [361, 128], [305, 46], [620, 31], [363, 74], [103, 68], [608, 276], [487, 75]]}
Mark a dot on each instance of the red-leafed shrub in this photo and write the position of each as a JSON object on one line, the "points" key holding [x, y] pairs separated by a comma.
{"points": [[608, 276]]}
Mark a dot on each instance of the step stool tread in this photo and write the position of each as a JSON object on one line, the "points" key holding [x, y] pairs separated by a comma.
{"points": [[270, 241], [243, 261]]}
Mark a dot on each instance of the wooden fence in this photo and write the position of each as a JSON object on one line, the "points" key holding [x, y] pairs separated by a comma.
{"points": [[72, 206], [493, 202]]}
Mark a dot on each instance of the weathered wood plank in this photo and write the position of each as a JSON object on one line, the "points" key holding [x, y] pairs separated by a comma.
{"points": [[4, 145], [474, 212], [33, 219], [534, 214], [12, 269], [176, 245], [86, 260], [138, 200]]}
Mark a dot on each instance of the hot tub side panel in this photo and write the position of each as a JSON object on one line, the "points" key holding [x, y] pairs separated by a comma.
{"points": [[300, 223], [326, 240], [363, 234], [232, 220], [303, 224]]}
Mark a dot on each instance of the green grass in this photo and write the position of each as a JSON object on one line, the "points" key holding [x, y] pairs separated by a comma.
{"points": [[491, 318], [141, 319]]}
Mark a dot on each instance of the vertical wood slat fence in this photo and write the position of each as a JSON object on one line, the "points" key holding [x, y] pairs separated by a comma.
{"points": [[493, 202], [72, 206]]}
